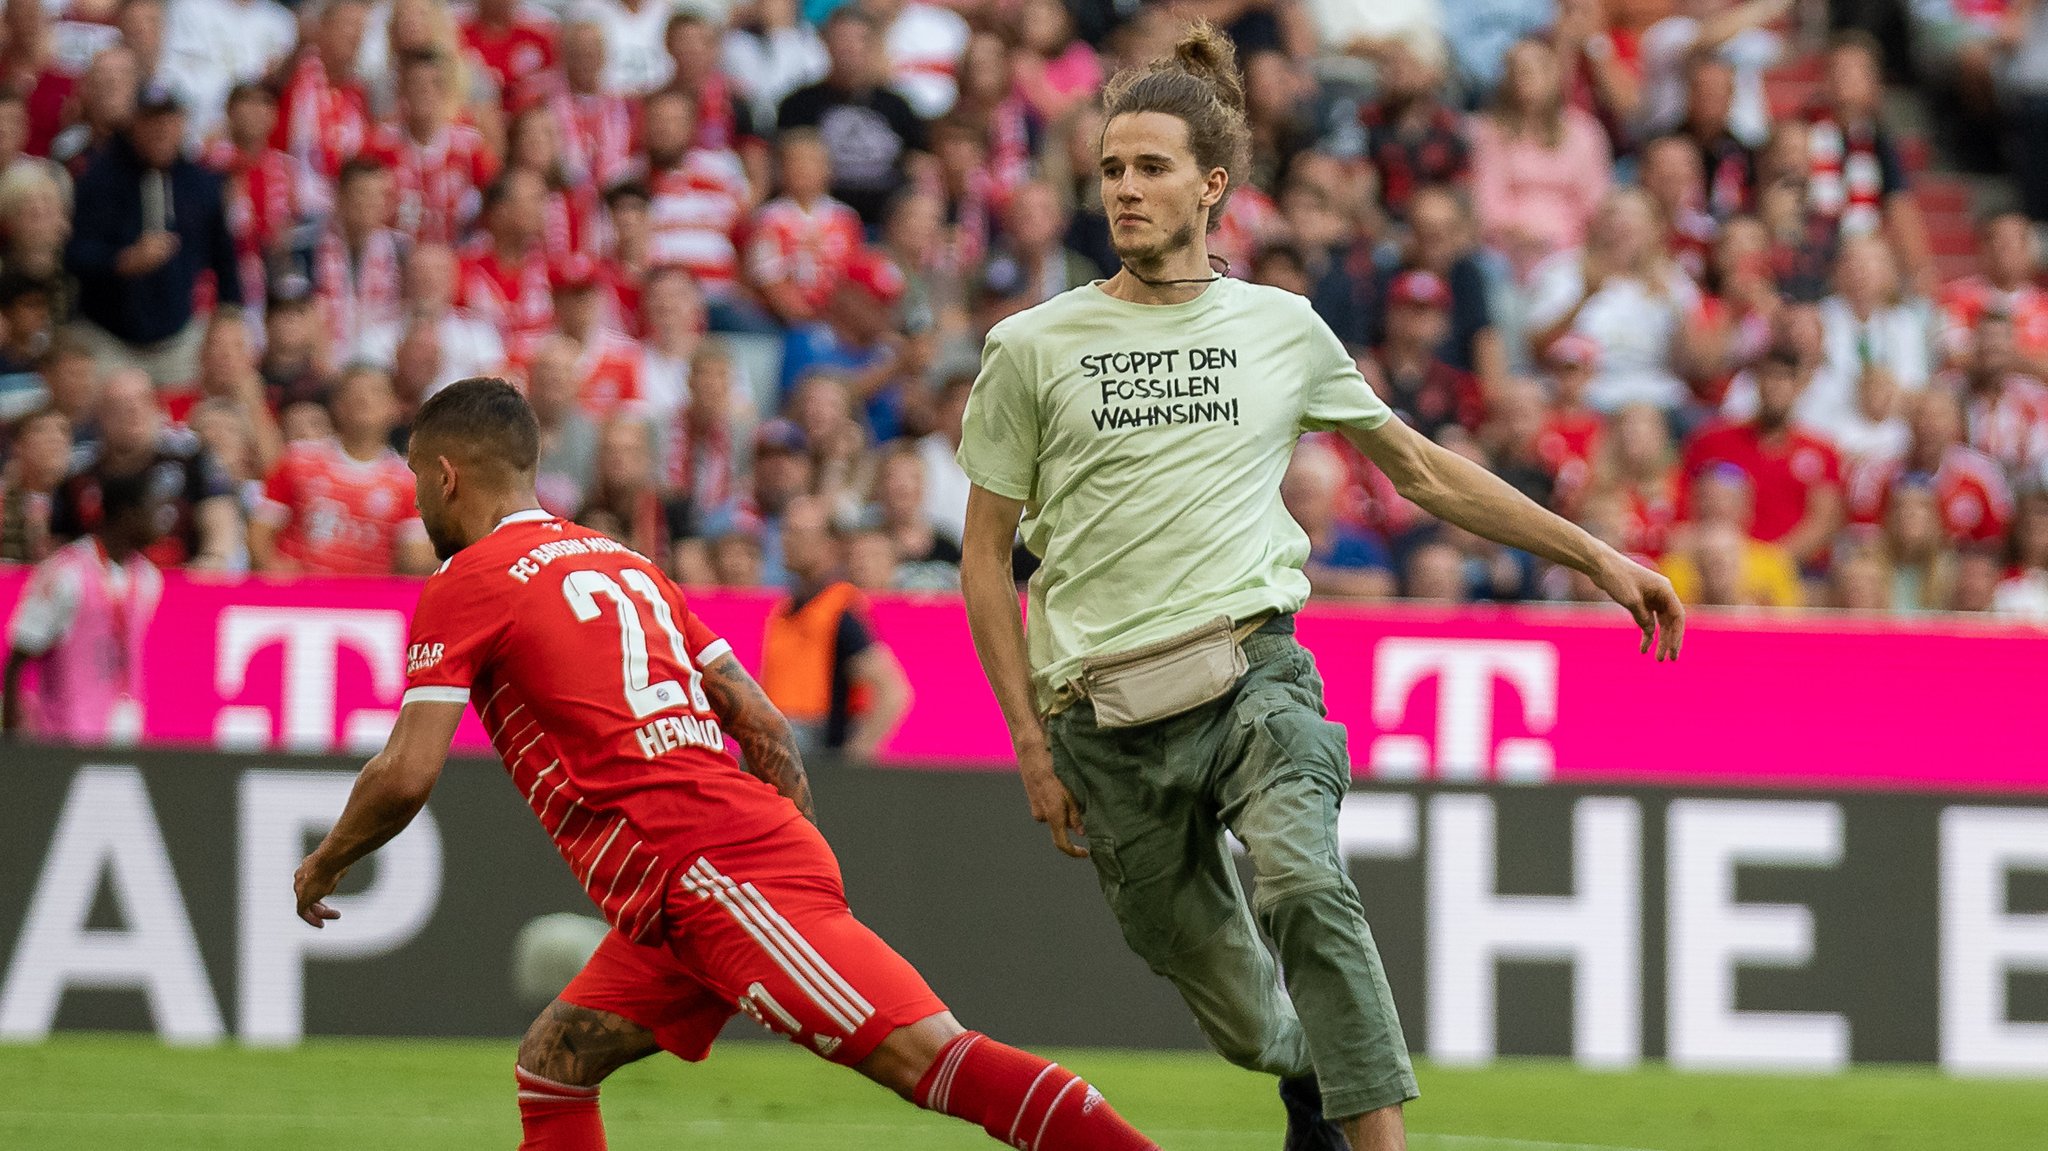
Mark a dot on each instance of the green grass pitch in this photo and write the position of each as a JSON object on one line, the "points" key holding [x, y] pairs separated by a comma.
{"points": [[128, 1094]]}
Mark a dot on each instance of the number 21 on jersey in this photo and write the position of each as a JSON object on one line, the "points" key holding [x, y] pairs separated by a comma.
{"points": [[644, 696]]}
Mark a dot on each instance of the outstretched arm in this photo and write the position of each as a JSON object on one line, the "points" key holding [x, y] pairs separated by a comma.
{"points": [[1453, 488], [392, 788], [997, 621], [767, 746]]}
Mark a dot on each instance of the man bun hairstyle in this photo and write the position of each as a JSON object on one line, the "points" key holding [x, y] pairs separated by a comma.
{"points": [[483, 418], [1200, 86]]}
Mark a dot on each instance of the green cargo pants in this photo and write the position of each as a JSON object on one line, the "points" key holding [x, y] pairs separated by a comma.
{"points": [[1264, 763]]}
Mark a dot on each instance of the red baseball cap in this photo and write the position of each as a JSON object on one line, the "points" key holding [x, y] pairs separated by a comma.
{"points": [[573, 272], [875, 274], [1420, 288]]}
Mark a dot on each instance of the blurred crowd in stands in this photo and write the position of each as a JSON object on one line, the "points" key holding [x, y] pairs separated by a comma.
{"points": [[1668, 266]]}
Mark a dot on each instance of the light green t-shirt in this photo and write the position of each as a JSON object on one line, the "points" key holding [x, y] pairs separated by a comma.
{"points": [[1148, 443]]}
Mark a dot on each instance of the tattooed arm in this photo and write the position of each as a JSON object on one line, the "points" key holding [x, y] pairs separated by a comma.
{"points": [[767, 746]]}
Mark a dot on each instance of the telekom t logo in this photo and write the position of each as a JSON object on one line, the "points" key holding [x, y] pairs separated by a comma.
{"points": [[313, 641], [1465, 671]]}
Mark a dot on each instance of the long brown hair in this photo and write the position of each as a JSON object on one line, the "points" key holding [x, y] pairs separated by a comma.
{"points": [[1545, 122], [1199, 85]]}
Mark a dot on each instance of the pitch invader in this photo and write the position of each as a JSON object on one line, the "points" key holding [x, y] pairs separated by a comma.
{"points": [[614, 709]]}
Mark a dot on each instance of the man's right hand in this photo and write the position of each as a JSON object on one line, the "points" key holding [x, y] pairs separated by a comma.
{"points": [[147, 254], [1051, 802]]}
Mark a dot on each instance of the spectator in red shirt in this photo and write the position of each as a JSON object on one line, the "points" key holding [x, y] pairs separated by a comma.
{"points": [[2008, 266], [799, 242], [2005, 406], [1855, 176], [1569, 441], [441, 165], [698, 198], [1670, 171], [626, 502], [691, 40], [344, 506], [1637, 473], [1795, 475], [513, 48], [1411, 135], [608, 363], [533, 141], [359, 261], [628, 255], [269, 194], [504, 277], [1427, 392], [596, 126], [1969, 487], [323, 113]]}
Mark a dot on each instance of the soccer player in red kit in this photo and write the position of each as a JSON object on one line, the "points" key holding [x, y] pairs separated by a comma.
{"points": [[615, 710]]}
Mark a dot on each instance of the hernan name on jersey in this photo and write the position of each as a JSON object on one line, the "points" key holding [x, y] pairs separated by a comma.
{"points": [[670, 732]]}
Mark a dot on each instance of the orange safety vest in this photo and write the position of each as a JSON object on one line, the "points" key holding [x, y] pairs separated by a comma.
{"points": [[799, 654]]}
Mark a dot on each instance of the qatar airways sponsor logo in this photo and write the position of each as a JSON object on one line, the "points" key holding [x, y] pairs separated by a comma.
{"points": [[421, 656]]}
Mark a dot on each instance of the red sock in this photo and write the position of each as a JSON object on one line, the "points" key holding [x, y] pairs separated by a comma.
{"points": [[1023, 1100], [556, 1116]]}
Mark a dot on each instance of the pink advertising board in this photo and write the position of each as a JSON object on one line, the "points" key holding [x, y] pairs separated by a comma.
{"points": [[1520, 695]]}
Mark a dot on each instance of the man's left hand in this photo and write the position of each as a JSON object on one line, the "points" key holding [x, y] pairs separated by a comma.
{"points": [[1648, 597], [314, 883]]}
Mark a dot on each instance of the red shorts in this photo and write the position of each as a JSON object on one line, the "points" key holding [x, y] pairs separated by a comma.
{"points": [[760, 927]]}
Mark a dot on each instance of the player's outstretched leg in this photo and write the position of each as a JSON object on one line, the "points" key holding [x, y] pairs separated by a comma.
{"points": [[1018, 1098], [566, 1053]]}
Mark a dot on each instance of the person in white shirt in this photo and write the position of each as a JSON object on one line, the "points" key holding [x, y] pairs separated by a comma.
{"points": [[925, 43], [946, 484], [1868, 323], [1625, 293], [469, 346], [1736, 33], [636, 59], [212, 45], [770, 57]]}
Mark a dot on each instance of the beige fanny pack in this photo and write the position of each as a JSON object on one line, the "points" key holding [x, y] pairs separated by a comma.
{"points": [[1163, 679]]}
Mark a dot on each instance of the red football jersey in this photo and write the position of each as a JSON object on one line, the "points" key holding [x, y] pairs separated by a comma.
{"points": [[512, 55], [597, 136], [1966, 301], [697, 210], [807, 248], [1780, 473], [2012, 425], [337, 515], [1975, 501], [515, 299], [321, 123], [440, 182], [583, 662], [1568, 445]]}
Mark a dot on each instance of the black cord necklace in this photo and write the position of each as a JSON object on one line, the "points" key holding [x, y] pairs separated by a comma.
{"points": [[1213, 259]]}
